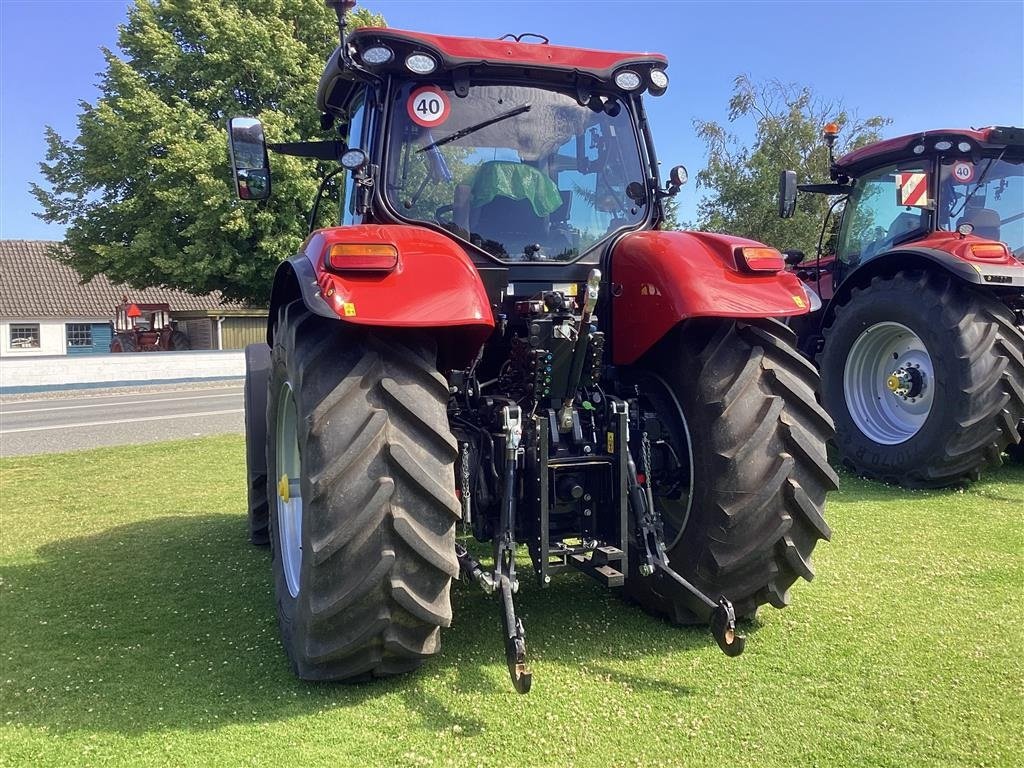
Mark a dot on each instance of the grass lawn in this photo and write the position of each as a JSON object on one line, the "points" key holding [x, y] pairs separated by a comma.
{"points": [[138, 629]]}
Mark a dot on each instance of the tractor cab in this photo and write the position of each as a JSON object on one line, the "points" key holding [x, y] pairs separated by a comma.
{"points": [[957, 194]]}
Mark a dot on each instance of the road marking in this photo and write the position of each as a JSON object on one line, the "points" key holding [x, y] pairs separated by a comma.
{"points": [[5, 412], [119, 421], [108, 395]]}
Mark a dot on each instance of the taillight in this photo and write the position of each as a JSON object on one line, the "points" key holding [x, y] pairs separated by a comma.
{"points": [[760, 259], [362, 257], [988, 251]]}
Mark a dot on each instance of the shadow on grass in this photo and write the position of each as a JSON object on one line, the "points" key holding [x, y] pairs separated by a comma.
{"points": [[169, 624]]}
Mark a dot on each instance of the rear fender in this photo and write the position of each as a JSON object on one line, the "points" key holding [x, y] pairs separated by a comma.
{"points": [[663, 278], [434, 287], [1007, 277]]}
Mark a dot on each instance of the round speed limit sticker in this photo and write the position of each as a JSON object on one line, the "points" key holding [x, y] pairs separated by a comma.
{"points": [[428, 106], [963, 172]]}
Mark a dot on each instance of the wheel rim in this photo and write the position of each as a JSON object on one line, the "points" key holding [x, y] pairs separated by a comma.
{"points": [[889, 383], [673, 489], [289, 494]]}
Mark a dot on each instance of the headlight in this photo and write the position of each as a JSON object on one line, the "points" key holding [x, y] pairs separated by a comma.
{"points": [[659, 79], [378, 55], [420, 63], [628, 80]]}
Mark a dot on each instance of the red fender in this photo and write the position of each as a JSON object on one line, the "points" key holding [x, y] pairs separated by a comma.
{"points": [[661, 278], [433, 285]]}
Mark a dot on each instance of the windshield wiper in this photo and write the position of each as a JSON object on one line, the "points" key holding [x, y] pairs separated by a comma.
{"points": [[474, 128], [981, 180]]}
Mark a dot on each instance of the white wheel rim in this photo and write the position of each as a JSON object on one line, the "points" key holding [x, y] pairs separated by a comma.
{"points": [[289, 495], [889, 383]]}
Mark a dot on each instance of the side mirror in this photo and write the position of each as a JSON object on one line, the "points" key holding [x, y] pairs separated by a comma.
{"points": [[677, 177], [793, 257], [787, 194], [249, 161]]}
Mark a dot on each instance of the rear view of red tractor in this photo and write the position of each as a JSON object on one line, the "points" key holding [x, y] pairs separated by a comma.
{"points": [[146, 328], [920, 340], [498, 337]]}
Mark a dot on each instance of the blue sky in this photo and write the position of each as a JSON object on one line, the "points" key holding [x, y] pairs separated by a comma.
{"points": [[924, 64]]}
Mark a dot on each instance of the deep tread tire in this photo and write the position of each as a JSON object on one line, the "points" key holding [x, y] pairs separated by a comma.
{"points": [[760, 470], [124, 343], [378, 490], [978, 357], [180, 341], [257, 372]]}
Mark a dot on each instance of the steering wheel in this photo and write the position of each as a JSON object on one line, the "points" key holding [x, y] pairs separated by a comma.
{"points": [[440, 212]]}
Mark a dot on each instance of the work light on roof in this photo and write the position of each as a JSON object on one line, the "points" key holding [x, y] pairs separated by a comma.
{"points": [[659, 79], [964, 146], [628, 80], [943, 145], [378, 55], [420, 63]]}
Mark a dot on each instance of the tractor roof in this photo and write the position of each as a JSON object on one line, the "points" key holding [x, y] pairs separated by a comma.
{"points": [[463, 51], [474, 56], [902, 147]]}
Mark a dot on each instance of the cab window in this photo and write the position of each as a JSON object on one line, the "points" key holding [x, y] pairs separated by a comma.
{"points": [[353, 140], [877, 215]]}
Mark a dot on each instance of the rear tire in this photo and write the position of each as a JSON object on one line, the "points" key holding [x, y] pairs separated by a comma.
{"points": [[373, 555], [976, 355], [124, 343], [257, 373], [742, 401], [180, 341]]}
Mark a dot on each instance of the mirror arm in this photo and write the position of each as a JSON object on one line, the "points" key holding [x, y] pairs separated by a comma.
{"points": [[320, 150]]}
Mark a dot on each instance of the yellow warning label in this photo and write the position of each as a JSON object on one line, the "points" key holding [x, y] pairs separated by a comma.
{"points": [[350, 309], [611, 442], [799, 301]]}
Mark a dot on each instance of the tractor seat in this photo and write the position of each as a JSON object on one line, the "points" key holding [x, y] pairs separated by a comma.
{"points": [[986, 222], [903, 224], [511, 203]]}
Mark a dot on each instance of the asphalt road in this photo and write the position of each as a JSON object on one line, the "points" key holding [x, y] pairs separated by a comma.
{"points": [[55, 422]]}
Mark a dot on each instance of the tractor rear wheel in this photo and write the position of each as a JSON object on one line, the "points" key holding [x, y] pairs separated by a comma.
{"points": [[180, 341], [257, 371], [925, 379], [123, 342], [739, 472], [362, 521]]}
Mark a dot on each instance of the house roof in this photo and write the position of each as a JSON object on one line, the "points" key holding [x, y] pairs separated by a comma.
{"points": [[34, 284]]}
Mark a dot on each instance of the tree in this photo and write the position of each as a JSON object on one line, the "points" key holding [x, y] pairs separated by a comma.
{"points": [[742, 181], [671, 218], [145, 188]]}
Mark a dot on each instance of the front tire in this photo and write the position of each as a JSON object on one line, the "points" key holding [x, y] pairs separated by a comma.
{"points": [[922, 339], [742, 486], [364, 538]]}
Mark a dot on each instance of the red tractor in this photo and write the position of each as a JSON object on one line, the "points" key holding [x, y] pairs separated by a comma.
{"points": [[919, 334], [146, 328], [497, 336]]}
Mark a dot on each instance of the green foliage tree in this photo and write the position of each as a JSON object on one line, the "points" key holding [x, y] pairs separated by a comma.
{"points": [[742, 179], [145, 188]]}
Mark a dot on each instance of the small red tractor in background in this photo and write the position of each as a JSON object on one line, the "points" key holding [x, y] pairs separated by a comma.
{"points": [[146, 328], [919, 333], [498, 336]]}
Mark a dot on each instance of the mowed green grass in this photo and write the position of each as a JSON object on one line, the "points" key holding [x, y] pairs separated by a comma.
{"points": [[138, 629]]}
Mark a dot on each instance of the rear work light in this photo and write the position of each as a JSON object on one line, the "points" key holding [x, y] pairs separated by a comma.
{"points": [[760, 259], [359, 257], [989, 251]]}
